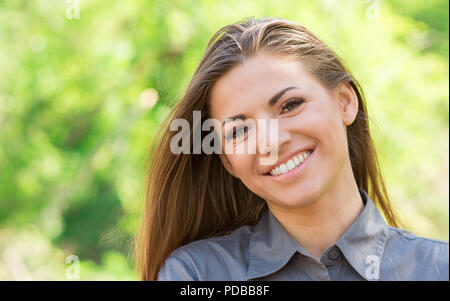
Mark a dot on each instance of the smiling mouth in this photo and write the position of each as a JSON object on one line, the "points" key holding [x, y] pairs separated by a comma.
{"points": [[290, 164]]}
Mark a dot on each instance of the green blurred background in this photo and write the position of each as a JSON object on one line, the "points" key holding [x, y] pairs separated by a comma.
{"points": [[82, 95]]}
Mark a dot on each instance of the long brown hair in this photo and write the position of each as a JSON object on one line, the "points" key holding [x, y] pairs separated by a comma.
{"points": [[192, 196]]}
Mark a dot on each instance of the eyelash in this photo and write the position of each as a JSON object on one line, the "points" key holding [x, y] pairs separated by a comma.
{"points": [[295, 101]]}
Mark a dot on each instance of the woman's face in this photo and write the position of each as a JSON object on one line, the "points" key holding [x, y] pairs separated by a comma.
{"points": [[309, 117]]}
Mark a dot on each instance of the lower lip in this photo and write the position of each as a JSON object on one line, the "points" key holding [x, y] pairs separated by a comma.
{"points": [[293, 172]]}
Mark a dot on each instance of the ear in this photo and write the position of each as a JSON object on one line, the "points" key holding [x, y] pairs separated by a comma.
{"points": [[348, 103], [226, 163]]}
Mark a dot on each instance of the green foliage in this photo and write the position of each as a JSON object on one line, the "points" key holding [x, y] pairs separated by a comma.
{"points": [[74, 133]]}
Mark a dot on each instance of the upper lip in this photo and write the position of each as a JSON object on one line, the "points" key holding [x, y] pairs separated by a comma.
{"points": [[286, 157]]}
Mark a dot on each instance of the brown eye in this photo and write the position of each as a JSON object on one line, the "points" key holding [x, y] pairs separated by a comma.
{"points": [[291, 105]]}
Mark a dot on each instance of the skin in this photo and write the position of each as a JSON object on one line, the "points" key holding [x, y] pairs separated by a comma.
{"points": [[319, 204]]}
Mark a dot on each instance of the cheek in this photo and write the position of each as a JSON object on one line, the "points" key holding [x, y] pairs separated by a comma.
{"points": [[244, 169], [242, 164], [332, 135], [312, 123], [322, 124]]}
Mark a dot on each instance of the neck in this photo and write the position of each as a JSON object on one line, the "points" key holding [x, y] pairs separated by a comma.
{"points": [[319, 224]]}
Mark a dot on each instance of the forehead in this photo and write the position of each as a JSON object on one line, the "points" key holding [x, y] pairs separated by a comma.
{"points": [[254, 82]]}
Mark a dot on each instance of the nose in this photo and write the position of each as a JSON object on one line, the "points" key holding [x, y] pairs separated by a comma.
{"points": [[271, 137]]}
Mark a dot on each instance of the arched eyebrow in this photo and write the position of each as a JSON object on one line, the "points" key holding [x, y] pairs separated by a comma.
{"points": [[272, 101], [277, 96]]}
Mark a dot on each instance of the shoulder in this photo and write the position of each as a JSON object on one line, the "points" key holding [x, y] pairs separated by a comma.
{"points": [[217, 258], [424, 245], [421, 257]]}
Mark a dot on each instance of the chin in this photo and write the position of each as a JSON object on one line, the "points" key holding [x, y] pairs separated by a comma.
{"points": [[293, 199]]}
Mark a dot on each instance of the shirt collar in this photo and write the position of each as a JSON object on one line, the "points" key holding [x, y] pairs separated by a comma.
{"points": [[363, 243], [271, 247]]}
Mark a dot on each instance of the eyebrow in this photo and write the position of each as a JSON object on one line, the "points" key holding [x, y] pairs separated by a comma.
{"points": [[272, 101]]}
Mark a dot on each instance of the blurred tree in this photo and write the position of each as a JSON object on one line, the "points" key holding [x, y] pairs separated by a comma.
{"points": [[75, 127]]}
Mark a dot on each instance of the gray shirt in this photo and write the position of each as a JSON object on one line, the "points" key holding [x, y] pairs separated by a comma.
{"points": [[368, 250]]}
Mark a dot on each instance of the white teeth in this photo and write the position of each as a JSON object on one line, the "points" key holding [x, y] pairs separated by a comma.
{"points": [[301, 158], [277, 170], [290, 164]]}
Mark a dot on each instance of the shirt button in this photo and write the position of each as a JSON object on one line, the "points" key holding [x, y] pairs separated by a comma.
{"points": [[333, 255]]}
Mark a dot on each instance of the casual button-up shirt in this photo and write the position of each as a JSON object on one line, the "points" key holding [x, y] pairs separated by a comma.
{"points": [[368, 250]]}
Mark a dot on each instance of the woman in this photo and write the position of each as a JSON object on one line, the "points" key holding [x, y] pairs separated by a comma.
{"points": [[305, 216]]}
